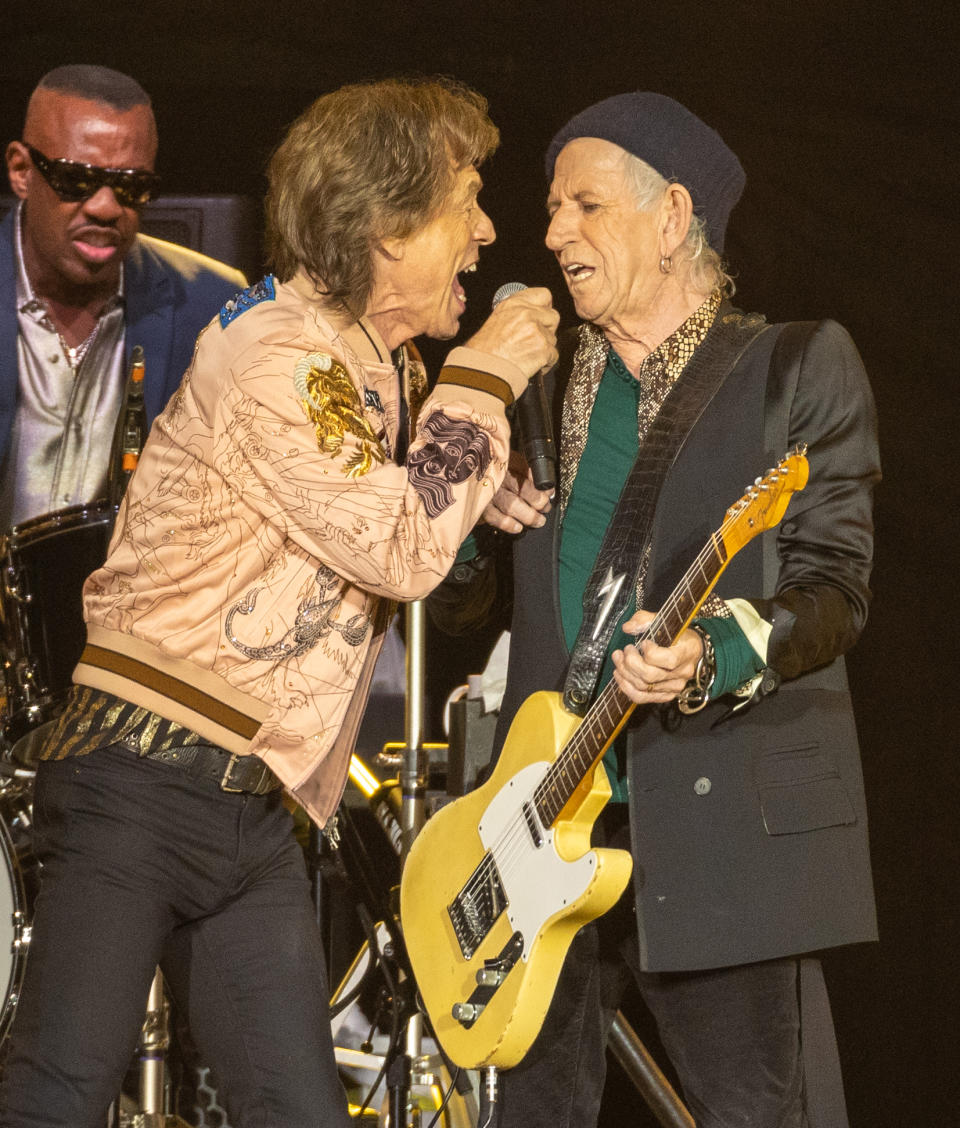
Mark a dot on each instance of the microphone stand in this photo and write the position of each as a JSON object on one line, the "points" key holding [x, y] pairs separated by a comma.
{"points": [[413, 785]]}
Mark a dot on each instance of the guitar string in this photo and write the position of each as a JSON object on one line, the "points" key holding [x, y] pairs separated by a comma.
{"points": [[505, 851], [712, 548], [508, 845], [669, 610]]}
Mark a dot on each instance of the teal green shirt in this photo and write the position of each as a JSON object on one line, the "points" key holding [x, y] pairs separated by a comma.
{"points": [[607, 459], [609, 455]]}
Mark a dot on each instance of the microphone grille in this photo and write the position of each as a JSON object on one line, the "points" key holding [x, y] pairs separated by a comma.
{"points": [[507, 290]]}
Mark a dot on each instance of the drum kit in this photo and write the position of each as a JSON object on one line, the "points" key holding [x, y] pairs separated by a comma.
{"points": [[44, 563]]}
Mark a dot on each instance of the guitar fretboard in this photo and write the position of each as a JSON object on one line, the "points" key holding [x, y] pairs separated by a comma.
{"points": [[612, 708]]}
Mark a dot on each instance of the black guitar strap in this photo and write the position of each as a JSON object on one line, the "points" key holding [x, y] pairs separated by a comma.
{"points": [[624, 545]]}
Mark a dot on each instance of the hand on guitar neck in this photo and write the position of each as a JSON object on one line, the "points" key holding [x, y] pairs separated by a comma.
{"points": [[650, 674]]}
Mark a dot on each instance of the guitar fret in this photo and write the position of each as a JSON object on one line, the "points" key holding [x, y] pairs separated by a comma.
{"points": [[547, 807], [565, 776]]}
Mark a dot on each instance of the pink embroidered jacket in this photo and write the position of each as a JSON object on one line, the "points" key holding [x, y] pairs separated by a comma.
{"points": [[268, 530]]}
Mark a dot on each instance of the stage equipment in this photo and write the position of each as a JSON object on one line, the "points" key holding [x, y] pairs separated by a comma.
{"points": [[18, 888], [45, 561], [647, 1076], [154, 1093]]}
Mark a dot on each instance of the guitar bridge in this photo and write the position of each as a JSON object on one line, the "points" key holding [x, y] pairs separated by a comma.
{"points": [[475, 909]]}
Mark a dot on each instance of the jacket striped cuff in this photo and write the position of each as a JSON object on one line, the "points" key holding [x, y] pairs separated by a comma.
{"points": [[471, 368]]}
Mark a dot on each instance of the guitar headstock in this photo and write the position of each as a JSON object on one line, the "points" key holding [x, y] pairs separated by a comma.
{"points": [[766, 501]]}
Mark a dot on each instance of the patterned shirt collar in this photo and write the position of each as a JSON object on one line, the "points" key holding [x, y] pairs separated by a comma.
{"points": [[670, 357], [659, 371]]}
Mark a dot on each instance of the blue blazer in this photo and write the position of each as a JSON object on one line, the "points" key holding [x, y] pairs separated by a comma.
{"points": [[171, 293]]}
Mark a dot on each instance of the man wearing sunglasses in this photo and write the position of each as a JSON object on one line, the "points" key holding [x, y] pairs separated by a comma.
{"points": [[79, 288]]}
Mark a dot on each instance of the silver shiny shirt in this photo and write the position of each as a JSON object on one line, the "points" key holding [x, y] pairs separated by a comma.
{"points": [[62, 434]]}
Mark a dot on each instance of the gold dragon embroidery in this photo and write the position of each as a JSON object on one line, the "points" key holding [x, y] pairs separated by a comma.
{"points": [[333, 407]]}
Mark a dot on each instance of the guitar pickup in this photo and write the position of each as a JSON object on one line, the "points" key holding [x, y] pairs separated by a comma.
{"points": [[533, 825]]}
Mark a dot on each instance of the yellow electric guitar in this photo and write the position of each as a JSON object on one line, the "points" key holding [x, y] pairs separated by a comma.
{"points": [[498, 882]]}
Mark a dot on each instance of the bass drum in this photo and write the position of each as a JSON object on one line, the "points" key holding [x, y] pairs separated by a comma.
{"points": [[45, 562], [18, 887]]}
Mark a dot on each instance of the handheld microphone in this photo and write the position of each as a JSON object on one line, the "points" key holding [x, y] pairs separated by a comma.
{"points": [[533, 415]]}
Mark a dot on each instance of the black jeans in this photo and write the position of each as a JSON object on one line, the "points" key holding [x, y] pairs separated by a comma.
{"points": [[145, 865], [732, 1034]]}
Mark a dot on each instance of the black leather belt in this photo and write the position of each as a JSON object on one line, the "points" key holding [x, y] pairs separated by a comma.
{"points": [[248, 774]]}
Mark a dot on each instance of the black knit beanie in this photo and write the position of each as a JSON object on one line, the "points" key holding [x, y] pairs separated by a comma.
{"points": [[671, 140]]}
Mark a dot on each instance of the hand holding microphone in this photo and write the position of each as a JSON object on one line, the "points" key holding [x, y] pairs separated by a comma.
{"points": [[522, 330], [533, 413]]}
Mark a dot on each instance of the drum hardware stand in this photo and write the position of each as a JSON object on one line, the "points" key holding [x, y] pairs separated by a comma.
{"points": [[637, 1062], [154, 1044]]}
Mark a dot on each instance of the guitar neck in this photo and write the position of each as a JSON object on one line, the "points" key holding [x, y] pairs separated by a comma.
{"points": [[609, 713]]}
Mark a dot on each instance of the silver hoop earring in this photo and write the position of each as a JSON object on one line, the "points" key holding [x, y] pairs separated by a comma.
{"points": [[666, 264]]}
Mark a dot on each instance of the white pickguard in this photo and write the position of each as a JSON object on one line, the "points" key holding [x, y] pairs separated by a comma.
{"points": [[537, 882]]}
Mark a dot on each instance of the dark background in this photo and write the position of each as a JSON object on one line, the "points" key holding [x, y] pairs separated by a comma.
{"points": [[845, 118]]}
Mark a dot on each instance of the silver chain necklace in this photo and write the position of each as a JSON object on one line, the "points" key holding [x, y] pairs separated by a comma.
{"points": [[76, 354]]}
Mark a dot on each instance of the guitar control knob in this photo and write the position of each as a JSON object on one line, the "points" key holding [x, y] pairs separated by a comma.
{"points": [[466, 1012], [490, 977]]}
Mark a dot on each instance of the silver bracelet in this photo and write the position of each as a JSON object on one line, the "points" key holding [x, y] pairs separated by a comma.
{"points": [[696, 693]]}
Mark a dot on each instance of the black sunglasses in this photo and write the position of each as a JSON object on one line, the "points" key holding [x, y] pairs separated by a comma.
{"points": [[73, 181]]}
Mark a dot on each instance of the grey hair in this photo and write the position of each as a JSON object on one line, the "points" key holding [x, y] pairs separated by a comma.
{"points": [[703, 264]]}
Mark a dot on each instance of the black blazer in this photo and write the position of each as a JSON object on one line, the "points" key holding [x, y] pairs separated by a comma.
{"points": [[749, 835]]}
